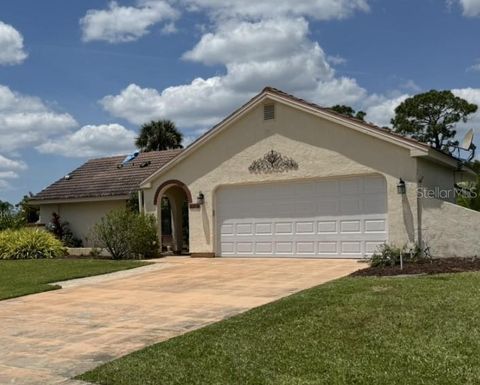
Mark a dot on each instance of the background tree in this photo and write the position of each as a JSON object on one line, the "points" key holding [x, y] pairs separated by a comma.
{"points": [[349, 111], [431, 117], [28, 212], [5, 206], [159, 135]]}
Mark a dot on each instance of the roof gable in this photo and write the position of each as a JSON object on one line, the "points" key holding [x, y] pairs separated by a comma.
{"points": [[272, 94]]}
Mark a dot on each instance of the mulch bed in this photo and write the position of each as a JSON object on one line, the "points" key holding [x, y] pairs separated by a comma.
{"points": [[435, 266]]}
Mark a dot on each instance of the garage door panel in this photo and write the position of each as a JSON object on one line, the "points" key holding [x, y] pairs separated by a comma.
{"points": [[375, 225], [263, 229], [244, 229], [327, 227], [351, 226], [284, 248], [351, 247], [245, 248], [327, 248], [264, 248], [305, 247], [228, 247], [344, 218], [227, 229], [307, 227], [284, 228]]}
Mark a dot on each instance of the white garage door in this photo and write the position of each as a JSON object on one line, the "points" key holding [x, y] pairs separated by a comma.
{"points": [[334, 218]]}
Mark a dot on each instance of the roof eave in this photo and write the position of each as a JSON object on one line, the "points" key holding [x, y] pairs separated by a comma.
{"points": [[41, 202]]}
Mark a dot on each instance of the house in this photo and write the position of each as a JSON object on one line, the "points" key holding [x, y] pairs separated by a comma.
{"points": [[284, 177], [88, 193]]}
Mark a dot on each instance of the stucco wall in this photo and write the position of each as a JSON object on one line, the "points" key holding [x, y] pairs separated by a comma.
{"points": [[450, 230], [321, 148], [437, 180], [81, 216]]}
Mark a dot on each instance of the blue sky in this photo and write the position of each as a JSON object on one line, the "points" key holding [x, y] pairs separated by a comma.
{"points": [[78, 78]]}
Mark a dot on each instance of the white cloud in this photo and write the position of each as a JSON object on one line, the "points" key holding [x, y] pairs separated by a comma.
{"points": [[317, 9], [9, 169], [27, 121], [11, 164], [410, 85], [471, 8], [90, 141], [381, 109], [255, 54], [11, 45], [119, 24], [475, 67], [243, 42], [336, 59]]}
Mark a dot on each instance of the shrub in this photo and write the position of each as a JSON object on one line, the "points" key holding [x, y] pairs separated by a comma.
{"points": [[10, 219], [389, 255], [29, 244], [62, 231], [126, 234]]}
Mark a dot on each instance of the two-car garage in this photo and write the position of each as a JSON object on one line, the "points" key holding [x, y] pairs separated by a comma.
{"points": [[328, 218]]}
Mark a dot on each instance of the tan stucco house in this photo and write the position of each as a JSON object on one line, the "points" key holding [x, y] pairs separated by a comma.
{"points": [[283, 177]]}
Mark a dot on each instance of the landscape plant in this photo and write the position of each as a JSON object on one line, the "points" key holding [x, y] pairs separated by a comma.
{"points": [[127, 235], [29, 244], [390, 255]]}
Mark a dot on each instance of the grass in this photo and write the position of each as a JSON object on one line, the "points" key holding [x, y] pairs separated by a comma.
{"points": [[23, 277], [423, 330]]}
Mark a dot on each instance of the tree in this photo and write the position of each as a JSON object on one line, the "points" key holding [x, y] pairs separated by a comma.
{"points": [[431, 117], [159, 135], [29, 213], [348, 111], [5, 206]]}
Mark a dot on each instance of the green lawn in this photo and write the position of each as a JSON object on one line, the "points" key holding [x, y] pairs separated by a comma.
{"points": [[423, 330], [32, 276]]}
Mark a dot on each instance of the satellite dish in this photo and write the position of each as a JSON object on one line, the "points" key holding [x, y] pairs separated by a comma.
{"points": [[467, 141], [466, 145]]}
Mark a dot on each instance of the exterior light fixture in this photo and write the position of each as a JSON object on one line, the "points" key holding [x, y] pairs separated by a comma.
{"points": [[200, 199], [401, 187]]}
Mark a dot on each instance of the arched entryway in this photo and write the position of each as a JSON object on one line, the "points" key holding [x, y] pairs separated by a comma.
{"points": [[172, 200]]}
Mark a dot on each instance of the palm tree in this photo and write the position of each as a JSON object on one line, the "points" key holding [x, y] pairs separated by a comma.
{"points": [[159, 135]]}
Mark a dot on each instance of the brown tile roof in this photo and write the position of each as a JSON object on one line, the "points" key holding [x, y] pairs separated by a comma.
{"points": [[102, 178]]}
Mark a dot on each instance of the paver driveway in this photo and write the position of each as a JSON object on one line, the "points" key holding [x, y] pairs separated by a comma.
{"points": [[48, 338]]}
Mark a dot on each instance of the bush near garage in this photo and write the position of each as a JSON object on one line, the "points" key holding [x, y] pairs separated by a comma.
{"points": [[127, 235], [389, 255], [29, 244]]}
